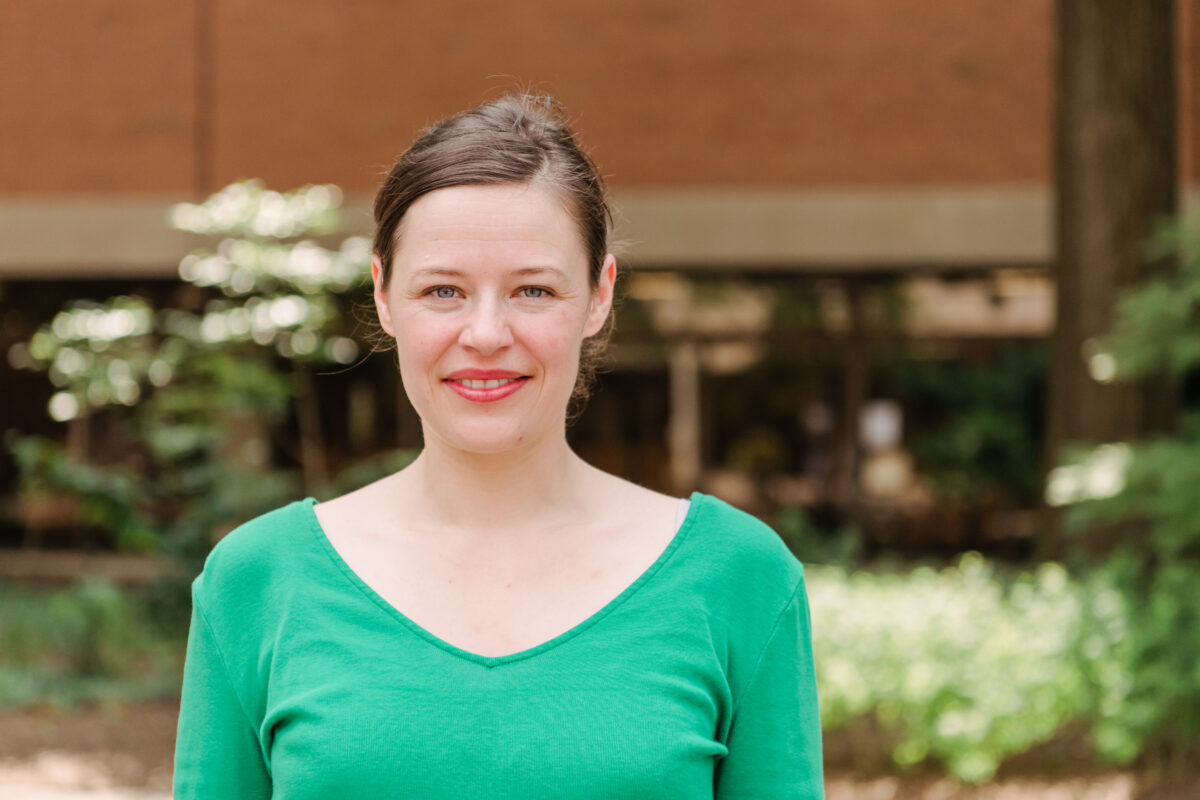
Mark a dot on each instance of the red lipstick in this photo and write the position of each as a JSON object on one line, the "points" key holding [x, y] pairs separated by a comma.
{"points": [[485, 385]]}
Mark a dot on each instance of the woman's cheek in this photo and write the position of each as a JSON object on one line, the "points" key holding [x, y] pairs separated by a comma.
{"points": [[563, 331], [421, 337]]}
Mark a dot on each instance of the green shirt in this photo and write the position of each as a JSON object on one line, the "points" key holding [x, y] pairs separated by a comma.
{"points": [[695, 682]]}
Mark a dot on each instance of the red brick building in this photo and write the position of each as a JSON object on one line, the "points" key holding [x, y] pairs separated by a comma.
{"points": [[790, 132], [787, 136]]}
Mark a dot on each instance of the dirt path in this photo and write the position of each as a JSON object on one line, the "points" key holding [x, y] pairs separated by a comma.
{"points": [[60, 775], [55, 775], [117, 752], [1109, 787]]}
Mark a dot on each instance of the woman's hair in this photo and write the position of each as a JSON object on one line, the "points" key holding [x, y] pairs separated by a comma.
{"points": [[517, 139]]}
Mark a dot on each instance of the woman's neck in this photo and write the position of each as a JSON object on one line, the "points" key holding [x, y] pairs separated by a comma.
{"points": [[524, 490]]}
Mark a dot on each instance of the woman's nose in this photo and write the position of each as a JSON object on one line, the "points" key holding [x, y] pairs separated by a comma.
{"points": [[485, 328]]}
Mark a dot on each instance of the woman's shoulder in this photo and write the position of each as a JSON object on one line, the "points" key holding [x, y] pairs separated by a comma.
{"points": [[744, 576], [742, 567], [743, 543], [257, 551]]}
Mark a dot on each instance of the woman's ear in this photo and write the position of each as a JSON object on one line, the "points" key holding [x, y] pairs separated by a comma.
{"points": [[381, 298], [602, 297]]}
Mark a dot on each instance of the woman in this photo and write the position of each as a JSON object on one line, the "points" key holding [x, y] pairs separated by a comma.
{"points": [[499, 619]]}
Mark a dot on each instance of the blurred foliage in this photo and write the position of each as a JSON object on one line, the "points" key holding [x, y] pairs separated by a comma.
{"points": [[207, 381], [813, 544], [1144, 496], [758, 452], [109, 498], [1157, 323], [963, 665], [798, 304], [983, 441], [266, 290], [90, 642]]}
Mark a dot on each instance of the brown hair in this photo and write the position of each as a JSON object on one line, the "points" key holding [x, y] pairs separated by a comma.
{"points": [[516, 139]]}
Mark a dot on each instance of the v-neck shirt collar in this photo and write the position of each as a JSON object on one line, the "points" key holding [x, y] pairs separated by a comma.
{"points": [[695, 510]]}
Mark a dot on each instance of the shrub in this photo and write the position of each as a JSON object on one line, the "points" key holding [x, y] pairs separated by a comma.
{"points": [[959, 664], [91, 641], [1143, 495]]}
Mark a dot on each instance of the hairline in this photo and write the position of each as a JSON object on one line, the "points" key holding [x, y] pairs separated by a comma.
{"points": [[539, 178]]}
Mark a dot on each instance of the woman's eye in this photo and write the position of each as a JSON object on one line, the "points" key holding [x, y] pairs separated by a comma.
{"points": [[534, 292], [443, 292]]}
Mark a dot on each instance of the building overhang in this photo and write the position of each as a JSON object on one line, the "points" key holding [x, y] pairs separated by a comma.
{"points": [[795, 232]]}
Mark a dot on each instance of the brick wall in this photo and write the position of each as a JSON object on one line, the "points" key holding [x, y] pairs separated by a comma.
{"points": [[139, 96]]}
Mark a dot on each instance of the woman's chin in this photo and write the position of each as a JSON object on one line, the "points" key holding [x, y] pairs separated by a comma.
{"points": [[491, 439]]}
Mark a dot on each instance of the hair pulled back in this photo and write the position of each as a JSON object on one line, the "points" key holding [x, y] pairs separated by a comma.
{"points": [[516, 139]]}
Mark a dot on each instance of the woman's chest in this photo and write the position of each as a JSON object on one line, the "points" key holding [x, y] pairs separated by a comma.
{"points": [[510, 600], [615, 716]]}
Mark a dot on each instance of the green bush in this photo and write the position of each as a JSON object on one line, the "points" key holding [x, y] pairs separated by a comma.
{"points": [[962, 665], [199, 391], [1142, 497], [1157, 568], [111, 498], [89, 642]]}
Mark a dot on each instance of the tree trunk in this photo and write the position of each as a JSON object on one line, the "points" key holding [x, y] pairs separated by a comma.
{"points": [[1116, 177]]}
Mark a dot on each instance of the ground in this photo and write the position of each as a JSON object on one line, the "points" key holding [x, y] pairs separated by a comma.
{"points": [[124, 752], [117, 752]]}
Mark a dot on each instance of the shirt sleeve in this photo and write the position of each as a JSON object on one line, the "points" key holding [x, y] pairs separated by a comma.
{"points": [[774, 739], [217, 752]]}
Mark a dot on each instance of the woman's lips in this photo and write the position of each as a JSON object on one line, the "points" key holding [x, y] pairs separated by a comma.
{"points": [[486, 389]]}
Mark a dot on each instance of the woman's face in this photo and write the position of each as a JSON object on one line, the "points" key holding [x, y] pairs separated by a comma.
{"points": [[489, 302]]}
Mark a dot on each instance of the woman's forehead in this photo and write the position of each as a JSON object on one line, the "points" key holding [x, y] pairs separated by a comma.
{"points": [[525, 225]]}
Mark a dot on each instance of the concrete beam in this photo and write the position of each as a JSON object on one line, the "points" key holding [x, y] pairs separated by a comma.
{"points": [[89, 237], [789, 231], [851, 230]]}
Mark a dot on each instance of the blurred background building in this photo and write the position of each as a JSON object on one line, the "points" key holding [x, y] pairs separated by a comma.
{"points": [[816, 201]]}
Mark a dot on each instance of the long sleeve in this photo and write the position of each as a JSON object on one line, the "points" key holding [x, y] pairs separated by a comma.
{"points": [[217, 753], [774, 737]]}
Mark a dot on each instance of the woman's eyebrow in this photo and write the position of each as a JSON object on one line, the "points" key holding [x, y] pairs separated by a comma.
{"points": [[534, 271], [523, 272], [436, 272]]}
